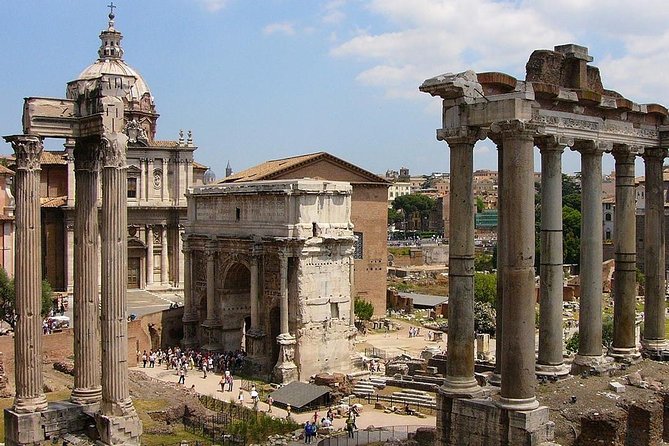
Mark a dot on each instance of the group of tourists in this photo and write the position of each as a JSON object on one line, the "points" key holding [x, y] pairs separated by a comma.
{"points": [[414, 332]]}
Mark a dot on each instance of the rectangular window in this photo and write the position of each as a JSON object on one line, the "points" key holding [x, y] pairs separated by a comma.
{"points": [[334, 310], [132, 187], [357, 254]]}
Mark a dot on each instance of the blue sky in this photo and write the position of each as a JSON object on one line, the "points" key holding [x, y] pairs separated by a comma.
{"points": [[263, 79]]}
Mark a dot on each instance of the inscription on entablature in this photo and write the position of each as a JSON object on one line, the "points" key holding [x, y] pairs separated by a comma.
{"points": [[608, 126], [270, 208]]}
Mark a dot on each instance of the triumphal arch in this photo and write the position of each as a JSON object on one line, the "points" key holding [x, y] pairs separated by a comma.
{"points": [[562, 103], [100, 116], [269, 268]]}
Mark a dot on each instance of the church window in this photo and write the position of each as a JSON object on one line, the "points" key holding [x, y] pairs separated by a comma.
{"points": [[132, 187]]}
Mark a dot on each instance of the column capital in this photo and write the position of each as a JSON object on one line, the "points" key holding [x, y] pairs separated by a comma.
{"points": [[27, 149], [461, 135], [515, 129], [87, 156], [654, 153], [552, 143], [112, 149], [592, 147], [255, 251], [625, 152]]}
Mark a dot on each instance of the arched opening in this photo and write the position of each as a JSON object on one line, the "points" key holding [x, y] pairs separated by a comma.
{"points": [[235, 306]]}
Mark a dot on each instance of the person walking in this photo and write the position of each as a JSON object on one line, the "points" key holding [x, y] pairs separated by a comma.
{"points": [[182, 375], [270, 402], [222, 383], [288, 409], [350, 425]]}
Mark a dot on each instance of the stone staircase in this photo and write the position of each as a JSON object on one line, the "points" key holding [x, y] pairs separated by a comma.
{"points": [[412, 396], [364, 388]]}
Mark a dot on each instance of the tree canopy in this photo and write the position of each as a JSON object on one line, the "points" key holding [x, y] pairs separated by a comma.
{"points": [[485, 287], [363, 310], [8, 299], [412, 203]]}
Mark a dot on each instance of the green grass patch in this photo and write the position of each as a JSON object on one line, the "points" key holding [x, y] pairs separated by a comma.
{"points": [[403, 251]]}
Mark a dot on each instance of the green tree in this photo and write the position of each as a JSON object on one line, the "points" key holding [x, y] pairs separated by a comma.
{"points": [[485, 287], [394, 216], [363, 310], [607, 336], [483, 262], [479, 204], [409, 204], [8, 299], [484, 318]]}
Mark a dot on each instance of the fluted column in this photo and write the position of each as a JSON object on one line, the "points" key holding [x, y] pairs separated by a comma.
{"points": [[550, 361], [459, 378], [115, 395], [351, 278], [518, 369], [149, 255], [496, 379], [28, 276], [164, 265], [285, 370], [284, 294], [254, 290], [87, 388], [654, 335], [211, 284], [624, 275], [590, 312]]}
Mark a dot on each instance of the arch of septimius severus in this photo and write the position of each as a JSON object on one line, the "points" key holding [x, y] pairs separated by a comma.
{"points": [[561, 104]]}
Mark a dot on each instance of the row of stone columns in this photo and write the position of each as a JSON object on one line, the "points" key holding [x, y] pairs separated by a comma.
{"points": [[515, 256], [107, 384]]}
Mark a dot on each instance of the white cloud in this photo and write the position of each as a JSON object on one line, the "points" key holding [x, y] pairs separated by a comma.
{"points": [[214, 5], [333, 13], [423, 38], [285, 28]]}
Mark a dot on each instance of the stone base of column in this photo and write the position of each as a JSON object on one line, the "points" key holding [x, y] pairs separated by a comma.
{"points": [[285, 371], [625, 355], [517, 404], [211, 336], [86, 396], [461, 388], [23, 428], [552, 371], [596, 365], [118, 430], [29, 405], [255, 343], [656, 349], [495, 380], [475, 421]]}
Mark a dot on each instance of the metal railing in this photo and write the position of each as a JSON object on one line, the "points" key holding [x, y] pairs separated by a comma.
{"points": [[367, 436]]}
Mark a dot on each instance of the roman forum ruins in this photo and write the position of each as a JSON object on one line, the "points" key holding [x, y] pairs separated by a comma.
{"points": [[561, 103], [98, 115]]}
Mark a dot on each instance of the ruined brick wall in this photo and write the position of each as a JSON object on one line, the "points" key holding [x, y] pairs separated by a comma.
{"points": [[152, 331], [645, 424], [602, 429]]}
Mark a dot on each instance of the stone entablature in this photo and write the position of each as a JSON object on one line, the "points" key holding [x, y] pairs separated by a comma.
{"points": [[269, 268]]}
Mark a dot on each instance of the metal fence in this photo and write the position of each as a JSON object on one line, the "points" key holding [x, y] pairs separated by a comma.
{"points": [[367, 436], [214, 427]]}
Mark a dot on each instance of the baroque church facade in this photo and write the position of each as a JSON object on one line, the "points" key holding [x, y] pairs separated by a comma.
{"points": [[160, 172]]}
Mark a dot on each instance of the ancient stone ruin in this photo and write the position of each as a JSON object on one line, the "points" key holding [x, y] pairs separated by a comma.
{"points": [[561, 103]]}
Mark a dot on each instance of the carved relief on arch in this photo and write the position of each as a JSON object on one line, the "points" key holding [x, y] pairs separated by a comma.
{"points": [[271, 276]]}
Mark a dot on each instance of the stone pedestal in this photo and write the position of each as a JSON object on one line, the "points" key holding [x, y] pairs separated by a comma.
{"points": [[118, 430], [285, 371], [464, 422]]}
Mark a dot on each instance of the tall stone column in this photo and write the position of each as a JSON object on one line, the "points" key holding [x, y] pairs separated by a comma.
{"points": [[87, 388], [550, 361], [28, 276], [178, 265], [190, 314], [590, 313], [164, 263], [254, 291], [624, 275], [654, 336], [351, 278], [518, 370], [149, 255], [285, 370], [459, 378], [117, 421], [496, 379], [211, 283]]}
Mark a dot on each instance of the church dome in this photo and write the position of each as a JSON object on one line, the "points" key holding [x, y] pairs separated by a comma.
{"points": [[110, 62]]}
